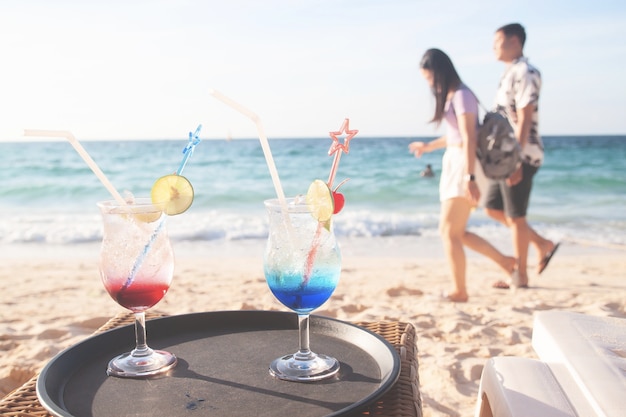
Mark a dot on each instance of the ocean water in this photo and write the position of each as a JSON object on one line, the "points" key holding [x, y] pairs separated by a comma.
{"points": [[49, 195]]}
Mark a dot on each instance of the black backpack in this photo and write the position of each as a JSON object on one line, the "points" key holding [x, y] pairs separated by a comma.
{"points": [[497, 149]]}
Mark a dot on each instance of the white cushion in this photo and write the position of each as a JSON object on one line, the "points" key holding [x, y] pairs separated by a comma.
{"points": [[587, 354]]}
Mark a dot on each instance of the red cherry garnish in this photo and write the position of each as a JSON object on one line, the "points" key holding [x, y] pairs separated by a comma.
{"points": [[339, 201]]}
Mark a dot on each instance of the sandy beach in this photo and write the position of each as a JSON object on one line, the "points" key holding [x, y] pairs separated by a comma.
{"points": [[52, 298]]}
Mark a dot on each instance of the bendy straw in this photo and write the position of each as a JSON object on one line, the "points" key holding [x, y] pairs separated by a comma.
{"points": [[267, 152], [83, 153]]}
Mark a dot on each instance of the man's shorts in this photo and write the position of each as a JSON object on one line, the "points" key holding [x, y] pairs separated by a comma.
{"points": [[512, 200]]}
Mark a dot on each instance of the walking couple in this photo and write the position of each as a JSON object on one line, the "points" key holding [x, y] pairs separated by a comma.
{"points": [[507, 200]]}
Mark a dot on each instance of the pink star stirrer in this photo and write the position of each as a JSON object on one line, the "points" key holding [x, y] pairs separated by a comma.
{"points": [[338, 148]]}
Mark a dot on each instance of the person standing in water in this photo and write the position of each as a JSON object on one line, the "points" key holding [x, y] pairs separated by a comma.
{"points": [[427, 172]]}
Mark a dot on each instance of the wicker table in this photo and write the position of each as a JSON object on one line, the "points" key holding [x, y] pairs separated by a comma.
{"points": [[403, 400]]}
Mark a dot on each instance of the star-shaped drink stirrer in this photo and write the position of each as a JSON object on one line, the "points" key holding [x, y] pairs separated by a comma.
{"points": [[337, 148]]}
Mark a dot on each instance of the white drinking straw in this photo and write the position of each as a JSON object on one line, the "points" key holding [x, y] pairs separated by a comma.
{"points": [[269, 159], [83, 153], [264, 142]]}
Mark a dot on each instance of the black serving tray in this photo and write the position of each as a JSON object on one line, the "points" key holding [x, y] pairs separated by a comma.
{"points": [[222, 369]]}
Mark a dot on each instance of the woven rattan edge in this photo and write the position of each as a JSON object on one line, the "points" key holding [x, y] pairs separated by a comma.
{"points": [[403, 400]]}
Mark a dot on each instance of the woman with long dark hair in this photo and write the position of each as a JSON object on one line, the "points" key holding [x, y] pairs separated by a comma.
{"points": [[457, 108]]}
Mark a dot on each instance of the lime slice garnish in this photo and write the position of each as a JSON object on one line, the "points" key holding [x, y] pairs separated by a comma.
{"points": [[319, 199], [174, 193]]}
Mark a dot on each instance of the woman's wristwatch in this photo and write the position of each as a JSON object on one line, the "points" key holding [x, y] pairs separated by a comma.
{"points": [[470, 177]]}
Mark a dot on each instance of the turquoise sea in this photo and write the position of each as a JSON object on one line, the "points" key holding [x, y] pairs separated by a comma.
{"points": [[49, 195]]}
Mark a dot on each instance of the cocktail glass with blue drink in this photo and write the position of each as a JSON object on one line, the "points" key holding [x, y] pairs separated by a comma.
{"points": [[302, 261], [302, 264]]}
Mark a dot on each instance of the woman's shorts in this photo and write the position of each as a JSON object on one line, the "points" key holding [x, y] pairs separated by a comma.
{"points": [[452, 182]]}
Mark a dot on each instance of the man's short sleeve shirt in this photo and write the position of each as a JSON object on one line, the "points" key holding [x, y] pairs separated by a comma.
{"points": [[520, 86]]}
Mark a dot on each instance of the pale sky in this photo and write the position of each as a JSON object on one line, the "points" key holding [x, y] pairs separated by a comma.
{"points": [[126, 69]]}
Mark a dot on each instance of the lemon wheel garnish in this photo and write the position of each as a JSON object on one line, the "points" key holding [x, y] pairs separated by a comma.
{"points": [[172, 192], [319, 199]]}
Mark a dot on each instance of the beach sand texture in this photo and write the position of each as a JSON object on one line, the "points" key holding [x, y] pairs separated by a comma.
{"points": [[48, 304]]}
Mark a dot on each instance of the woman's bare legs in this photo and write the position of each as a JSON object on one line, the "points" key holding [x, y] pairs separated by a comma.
{"points": [[480, 245], [454, 215]]}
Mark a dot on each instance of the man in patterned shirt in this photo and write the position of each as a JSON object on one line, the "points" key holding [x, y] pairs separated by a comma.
{"points": [[507, 200]]}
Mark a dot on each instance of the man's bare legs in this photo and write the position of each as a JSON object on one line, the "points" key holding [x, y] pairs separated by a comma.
{"points": [[523, 234], [521, 239]]}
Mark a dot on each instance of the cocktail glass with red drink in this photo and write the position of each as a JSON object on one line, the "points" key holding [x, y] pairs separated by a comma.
{"points": [[136, 266]]}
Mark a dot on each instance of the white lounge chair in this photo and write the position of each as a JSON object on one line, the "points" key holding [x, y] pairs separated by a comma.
{"points": [[587, 355], [581, 371], [520, 387]]}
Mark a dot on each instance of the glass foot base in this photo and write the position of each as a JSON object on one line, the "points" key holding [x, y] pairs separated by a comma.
{"points": [[315, 368], [129, 366]]}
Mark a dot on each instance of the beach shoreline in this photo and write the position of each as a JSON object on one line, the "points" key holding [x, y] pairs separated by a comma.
{"points": [[53, 298], [418, 247]]}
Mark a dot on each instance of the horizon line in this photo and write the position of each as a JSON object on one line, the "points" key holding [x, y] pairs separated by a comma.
{"points": [[213, 138]]}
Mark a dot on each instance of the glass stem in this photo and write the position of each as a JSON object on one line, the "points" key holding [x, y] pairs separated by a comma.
{"points": [[141, 348], [303, 329]]}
